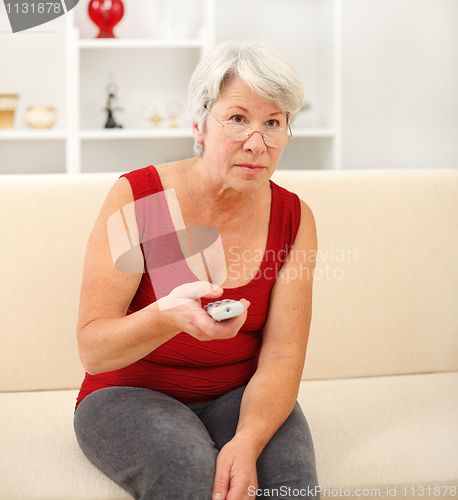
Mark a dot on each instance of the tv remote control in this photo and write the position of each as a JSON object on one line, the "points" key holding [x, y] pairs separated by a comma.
{"points": [[224, 309]]}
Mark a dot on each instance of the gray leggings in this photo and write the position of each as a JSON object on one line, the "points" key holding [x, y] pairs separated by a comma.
{"points": [[158, 448]]}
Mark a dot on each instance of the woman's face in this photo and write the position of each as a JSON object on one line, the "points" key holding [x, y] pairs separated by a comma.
{"points": [[244, 165]]}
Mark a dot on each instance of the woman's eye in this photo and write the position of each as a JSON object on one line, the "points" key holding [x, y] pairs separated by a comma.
{"points": [[237, 119], [273, 124]]}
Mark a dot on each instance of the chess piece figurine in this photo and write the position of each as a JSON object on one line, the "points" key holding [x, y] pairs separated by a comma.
{"points": [[111, 122]]}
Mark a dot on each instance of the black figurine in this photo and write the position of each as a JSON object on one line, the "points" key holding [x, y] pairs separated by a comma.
{"points": [[111, 122]]}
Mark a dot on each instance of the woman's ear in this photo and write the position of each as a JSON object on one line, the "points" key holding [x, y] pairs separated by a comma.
{"points": [[198, 135]]}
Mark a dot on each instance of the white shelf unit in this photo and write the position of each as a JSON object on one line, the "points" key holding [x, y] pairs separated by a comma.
{"points": [[151, 78], [32, 66], [151, 61]]}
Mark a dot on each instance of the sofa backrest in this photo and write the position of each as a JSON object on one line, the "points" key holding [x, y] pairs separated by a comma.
{"points": [[385, 291], [44, 230], [386, 285]]}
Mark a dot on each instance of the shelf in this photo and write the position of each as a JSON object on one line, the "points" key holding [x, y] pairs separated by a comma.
{"points": [[116, 134], [181, 133], [313, 132], [140, 43], [26, 135]]}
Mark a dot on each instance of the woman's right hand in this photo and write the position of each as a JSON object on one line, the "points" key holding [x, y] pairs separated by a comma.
{"points": [[182, 307]]}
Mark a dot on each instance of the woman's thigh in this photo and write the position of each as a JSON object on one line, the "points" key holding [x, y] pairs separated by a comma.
{"points": [[286, 468], [147, 442]]}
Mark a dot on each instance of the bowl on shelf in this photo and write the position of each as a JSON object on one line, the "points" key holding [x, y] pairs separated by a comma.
{"points": [[41, 117], [8, 104]]}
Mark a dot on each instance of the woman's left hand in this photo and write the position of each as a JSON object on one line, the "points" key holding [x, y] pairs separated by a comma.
{"points": [[235, 477]]}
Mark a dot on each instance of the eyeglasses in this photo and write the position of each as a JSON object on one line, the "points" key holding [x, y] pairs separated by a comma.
{"points": [[240, 132]]}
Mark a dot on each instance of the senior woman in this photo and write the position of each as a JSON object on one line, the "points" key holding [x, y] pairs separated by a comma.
{"points": [[174, 404]]}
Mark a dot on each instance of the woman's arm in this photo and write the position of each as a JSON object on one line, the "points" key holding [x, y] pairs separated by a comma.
{"points": [[107, 338], [272, 392]]}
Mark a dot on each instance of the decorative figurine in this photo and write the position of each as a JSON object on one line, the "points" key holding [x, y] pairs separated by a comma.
{"points": [[154, 117], [174, 110], [106, 14], [111, 122]]}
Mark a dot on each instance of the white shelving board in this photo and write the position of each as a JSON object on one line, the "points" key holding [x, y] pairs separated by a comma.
{"points": [[138, 43], [119, 134], [32, 135]]}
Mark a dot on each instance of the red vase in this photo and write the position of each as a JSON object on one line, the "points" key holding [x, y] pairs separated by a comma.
{"points": [[106, 14]]}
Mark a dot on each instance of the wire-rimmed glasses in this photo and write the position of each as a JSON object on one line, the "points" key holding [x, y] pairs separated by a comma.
{"points": [[240, 132]]}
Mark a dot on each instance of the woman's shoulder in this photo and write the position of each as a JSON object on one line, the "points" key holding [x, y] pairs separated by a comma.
{"points": [[144, 173], [283, 195], [296, 213], [143, 181], [285, 204], [287, 197]]}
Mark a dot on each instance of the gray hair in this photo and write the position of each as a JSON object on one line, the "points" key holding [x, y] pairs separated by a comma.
{"points": [[260, 65]]}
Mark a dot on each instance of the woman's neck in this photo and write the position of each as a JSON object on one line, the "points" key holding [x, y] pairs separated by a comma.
{"points": [[222, 201]]}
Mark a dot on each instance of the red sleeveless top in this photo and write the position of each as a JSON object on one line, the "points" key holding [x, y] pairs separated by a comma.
{"points": [[184, 367]]}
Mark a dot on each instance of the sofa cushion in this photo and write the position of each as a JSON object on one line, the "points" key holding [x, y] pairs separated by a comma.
{"points": [[380, 431], [40, 458], [375, 431]]}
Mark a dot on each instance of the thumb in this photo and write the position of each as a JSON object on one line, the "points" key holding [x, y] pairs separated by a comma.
{"points": [[187, 292], [215, 292], [221, 482]]}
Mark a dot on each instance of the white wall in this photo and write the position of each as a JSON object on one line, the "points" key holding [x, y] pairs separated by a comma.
{"points": [[400, 83]]}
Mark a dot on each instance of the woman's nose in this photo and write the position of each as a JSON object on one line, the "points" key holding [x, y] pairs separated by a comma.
{"points": [[255, 143]]}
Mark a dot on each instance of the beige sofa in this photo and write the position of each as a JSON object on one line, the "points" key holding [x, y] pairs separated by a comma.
{"points": [[380, 387]]}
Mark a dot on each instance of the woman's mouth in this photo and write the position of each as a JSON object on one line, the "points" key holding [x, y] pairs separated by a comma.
{"points": [[250, 169]]}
